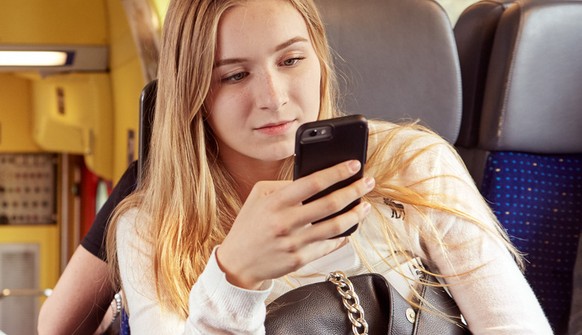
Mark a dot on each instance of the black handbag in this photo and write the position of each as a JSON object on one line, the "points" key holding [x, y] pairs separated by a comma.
{"points": [[362, 304]]}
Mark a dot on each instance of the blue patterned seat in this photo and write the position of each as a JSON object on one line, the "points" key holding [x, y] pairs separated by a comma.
{"points": [[529, 142], [538, 198], [124, 326]]}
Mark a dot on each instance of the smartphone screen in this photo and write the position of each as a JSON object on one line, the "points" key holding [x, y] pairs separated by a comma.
{"points": [[322, 144]]}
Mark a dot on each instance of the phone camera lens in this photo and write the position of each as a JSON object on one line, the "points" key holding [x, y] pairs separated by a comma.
{"points": [[313, 133]]}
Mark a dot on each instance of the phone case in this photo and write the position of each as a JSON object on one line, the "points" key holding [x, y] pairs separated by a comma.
{"points": [[322, 144]]}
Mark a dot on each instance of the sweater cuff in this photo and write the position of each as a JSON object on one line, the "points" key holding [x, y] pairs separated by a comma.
{"points": [[243, 304]]}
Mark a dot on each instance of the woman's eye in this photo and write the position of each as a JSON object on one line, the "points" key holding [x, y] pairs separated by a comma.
{"points": [[236, 77], [292, 61]]}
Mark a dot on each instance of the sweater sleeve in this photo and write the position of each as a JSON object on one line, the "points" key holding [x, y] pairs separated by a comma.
{"points": [[216, 306], [486, 282]]}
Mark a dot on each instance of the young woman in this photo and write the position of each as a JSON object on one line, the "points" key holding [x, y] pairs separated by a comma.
{"points": [[218, 229]]}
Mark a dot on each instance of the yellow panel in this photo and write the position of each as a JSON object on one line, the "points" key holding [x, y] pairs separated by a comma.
{"points": [[127, 81], [16, 115], [127, 84], [122, 47], [100, 158], [53, 22], [73, 113], [46, 237], [51, 130], [161, 7]]}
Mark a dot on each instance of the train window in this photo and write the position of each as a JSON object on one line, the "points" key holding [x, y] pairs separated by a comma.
{"points": [[454, 8]]}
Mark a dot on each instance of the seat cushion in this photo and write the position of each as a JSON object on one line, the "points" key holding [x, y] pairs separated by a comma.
{"points": [[538, 199]]}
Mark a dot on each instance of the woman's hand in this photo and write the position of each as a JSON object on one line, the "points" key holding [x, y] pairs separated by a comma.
{"points": [[273, 235]]}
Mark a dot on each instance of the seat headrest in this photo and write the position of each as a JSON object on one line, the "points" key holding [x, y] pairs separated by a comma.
{"points": [[533, 95], [399, 59], [474, 32], [147, 105]]}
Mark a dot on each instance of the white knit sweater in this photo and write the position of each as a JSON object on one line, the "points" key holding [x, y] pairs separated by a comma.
{"points": [[494, 299]]}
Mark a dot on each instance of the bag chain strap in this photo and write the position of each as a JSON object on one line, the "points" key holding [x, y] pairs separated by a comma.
{"points": [[351, 302]]}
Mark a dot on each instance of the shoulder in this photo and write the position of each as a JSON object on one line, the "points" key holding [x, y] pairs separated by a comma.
{"points": [[133, 243], [131, 226], [397, 147], [392, 138], [409, 158], [128, 219], [126, 184]]}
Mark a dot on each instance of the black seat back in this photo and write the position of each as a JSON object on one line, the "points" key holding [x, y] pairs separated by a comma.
{"points": [[147, 106], [474, 34]]}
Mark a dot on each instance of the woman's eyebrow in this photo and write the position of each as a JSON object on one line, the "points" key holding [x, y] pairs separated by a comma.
{"points": [[294, 40], [279, 47], [228, 61]]}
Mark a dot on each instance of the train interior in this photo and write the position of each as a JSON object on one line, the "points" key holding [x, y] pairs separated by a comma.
{"points": [[501, 80]]}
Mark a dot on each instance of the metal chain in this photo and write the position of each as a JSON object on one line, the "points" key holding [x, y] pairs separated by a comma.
{"points": [[351, 302]]}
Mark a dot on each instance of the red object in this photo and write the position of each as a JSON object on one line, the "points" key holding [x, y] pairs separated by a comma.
{"points": [[89, 182], [88, 193]]}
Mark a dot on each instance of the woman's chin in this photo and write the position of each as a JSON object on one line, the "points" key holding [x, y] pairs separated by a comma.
{"points": [[277, 154]]}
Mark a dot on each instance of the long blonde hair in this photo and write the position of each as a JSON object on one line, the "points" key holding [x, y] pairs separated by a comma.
{"points": [[186, 192], [188, 196]]}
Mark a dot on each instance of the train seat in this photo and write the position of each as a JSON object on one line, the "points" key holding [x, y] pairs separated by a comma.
{"points": [[147, 106], [575, 324], [398, 60], [474, 33], [529, 134]]}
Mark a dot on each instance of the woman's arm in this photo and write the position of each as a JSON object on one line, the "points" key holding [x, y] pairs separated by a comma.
{"points": [[271, 237], [493, 294], [215, 305], [80, 299], [485, 280]]}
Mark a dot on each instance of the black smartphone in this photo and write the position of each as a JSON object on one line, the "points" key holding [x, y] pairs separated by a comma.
{"points": [[325, 143]]}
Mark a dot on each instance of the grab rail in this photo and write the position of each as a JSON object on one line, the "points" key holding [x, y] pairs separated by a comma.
{"points": [[25, 292]]}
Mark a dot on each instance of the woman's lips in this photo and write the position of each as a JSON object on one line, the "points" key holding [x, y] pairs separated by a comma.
{"points": [[275, 128]]}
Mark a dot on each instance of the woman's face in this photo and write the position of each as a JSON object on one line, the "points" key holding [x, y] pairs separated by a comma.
{"points": [[265, 82]]}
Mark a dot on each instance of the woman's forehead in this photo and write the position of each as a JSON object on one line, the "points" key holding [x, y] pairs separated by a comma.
{"points": [[258, 24]]}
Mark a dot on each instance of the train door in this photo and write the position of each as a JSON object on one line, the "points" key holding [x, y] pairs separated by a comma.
{"points": [[29, 236]]}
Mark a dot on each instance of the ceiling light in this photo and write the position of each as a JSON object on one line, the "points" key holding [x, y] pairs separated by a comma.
{"points": [[35, 58], [61, 58]]}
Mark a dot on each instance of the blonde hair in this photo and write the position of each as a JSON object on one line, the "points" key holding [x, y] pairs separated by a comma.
{"points": [[183, 168], [393, 150], [187, 194]]}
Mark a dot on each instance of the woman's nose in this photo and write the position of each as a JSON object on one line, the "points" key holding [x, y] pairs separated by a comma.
{"points": [[271, 91]]}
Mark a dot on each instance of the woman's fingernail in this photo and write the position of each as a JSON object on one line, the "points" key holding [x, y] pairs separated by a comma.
{"points": [[367, 207], [370, 182], [354, 165]]}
